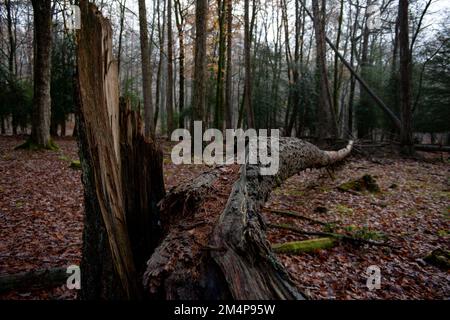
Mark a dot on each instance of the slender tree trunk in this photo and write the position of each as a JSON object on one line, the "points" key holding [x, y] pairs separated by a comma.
{"points": [[248, 76], [146, 71], [180, 23], [122, 21], [169, 83], [199, 90], [229, 76], [220, 94], [326, 125], [405, 78], [40, 133]]}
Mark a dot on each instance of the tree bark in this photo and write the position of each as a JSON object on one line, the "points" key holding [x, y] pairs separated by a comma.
{"points": [[229, 75], [146, 71], [180, 23], [40, 133], [122, 171], [406, 134], [238, 263], [169, 84], [199, 90], [247, 101], [326, 120]]}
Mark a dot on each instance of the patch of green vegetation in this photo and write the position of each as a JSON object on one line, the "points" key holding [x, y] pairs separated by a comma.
{"points": [[75, 164], [366, 183], [329, 227], [443, 233], [304, 246], [411, 212], [439, 258], [442, 194], [343, 209], [295, 193], [447, 213], [350, 228], [64, 158], [367, 234], [30, 145]]}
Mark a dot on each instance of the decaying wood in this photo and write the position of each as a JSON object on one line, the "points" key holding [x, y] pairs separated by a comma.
{"points": [[122, 172], [432, 148], [36, 279], [339, 236], [238, 262], [298, 247], [184, 199]]}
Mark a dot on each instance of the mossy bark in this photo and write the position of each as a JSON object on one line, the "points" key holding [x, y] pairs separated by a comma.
{"points": [[311, 245]]}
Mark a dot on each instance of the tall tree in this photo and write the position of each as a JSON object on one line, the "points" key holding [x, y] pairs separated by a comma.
{"points": [[326, 120], [199, 94], [169, 84], [406, 134], [180, 17], [219, 112], [229, 77], [40, 133], [247, 101], [146, 71]]}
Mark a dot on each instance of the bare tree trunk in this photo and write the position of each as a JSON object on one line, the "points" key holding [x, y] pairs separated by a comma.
{"points": [[229, 76], [40, 133], [122, 171], [146, 71], [180, 24], [169, 84], [405, 78], [122, 21], [248, 76], [326, 125], [199, 91], [220, 93]]}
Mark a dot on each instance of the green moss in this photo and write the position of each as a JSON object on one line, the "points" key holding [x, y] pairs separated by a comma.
{"points": [[343, 209], [366, 183], [304, 246], [367, 234], [439, 258], [30, 145], [75, 164], [443, 233]]}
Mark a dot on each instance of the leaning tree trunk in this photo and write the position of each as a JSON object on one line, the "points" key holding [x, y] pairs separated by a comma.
{"points": [[122, 171], [237, 262]]}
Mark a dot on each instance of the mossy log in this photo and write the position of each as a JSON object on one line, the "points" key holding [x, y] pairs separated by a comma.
{"points": [[296, 247], [31, 280], [365, 183], [439, 258]]}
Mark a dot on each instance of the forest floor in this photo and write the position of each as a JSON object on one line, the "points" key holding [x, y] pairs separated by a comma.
{"points": [[41, 217]]}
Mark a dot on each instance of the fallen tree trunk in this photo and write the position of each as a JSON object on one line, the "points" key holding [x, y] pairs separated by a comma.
{"points": [[239, 262], [31, 280], [431, 148]]}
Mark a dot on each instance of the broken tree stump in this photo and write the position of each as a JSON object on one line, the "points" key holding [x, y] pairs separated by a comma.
{"points": [[122, 171]]}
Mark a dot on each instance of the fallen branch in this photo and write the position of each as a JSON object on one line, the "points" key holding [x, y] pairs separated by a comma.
{"points": [[36, 279], [338, 236], [310, 245]]}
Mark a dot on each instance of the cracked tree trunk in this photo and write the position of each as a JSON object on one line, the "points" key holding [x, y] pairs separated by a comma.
{"points": [[122, 171], [238, 263]]}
